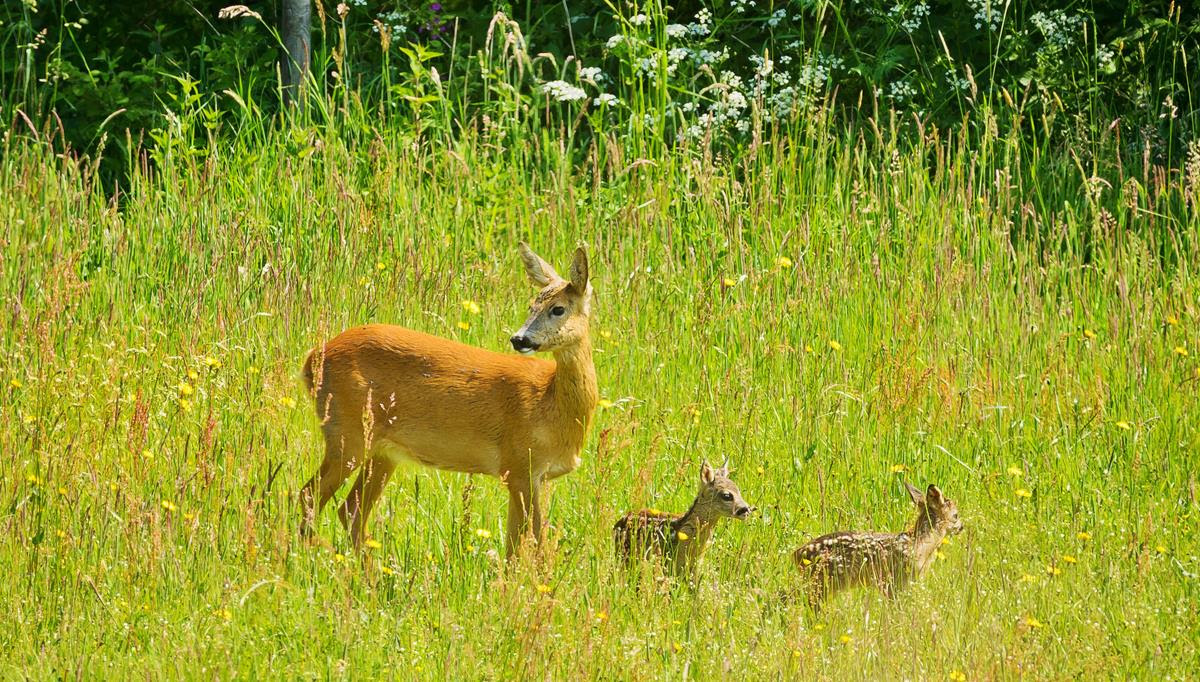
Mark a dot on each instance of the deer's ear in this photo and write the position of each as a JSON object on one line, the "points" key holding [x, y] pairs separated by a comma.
{"points": [[579, 270], [915, 494], [540, 272], [933, 494], [706, 473]]}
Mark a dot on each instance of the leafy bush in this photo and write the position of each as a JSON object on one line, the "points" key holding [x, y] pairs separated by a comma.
{"points": [[721, 72]]}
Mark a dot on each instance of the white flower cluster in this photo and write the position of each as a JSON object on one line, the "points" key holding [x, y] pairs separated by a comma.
{"points": [[900, 91], [394, 21], [957, 82], [676, 31], [988, 13], [1104, 56], [563, 91], [1058, 27], [703, 24], [909, 19]]}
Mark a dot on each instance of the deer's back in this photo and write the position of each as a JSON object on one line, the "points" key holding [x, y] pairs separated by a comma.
{"points": [[444, 403], [852, 557], [644, 532]]}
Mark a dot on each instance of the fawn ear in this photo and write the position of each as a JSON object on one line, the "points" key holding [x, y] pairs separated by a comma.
{"points": [[540, 272], [933, 494], [706, 473], [579, 270], [915, 494], [723, 470]]}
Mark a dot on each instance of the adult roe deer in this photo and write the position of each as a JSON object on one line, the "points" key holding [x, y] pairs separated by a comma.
{"points": [[384, 393]]}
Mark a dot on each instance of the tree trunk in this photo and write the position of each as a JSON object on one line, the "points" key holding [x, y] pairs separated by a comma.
{"points": [[297, 40]]}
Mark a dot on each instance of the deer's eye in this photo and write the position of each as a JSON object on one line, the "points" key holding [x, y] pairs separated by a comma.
{"points": [[727, 496], [557, 311]]}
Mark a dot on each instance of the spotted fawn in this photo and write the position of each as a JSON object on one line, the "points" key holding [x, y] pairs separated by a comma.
{"points": [[889, 561], [680, 539]]}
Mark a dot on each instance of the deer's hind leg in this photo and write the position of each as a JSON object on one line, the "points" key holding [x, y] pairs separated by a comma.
{"points": [[362, 498], [343, 454]]}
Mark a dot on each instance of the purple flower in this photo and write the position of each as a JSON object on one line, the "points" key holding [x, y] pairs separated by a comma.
{"points": [[436, 7]]}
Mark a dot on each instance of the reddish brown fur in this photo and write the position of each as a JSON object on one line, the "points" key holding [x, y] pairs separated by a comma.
{"points": [[456, 407]]}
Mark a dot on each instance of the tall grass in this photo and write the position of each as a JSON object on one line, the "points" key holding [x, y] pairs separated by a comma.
{"points": [[834, 311]]}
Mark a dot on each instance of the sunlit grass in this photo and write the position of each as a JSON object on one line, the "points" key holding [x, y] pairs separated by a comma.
{"points": [[833, 318]]}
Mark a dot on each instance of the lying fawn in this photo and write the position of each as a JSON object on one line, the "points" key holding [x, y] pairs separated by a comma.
{"points": [[386, 393], [889, 561], [681, 540]]}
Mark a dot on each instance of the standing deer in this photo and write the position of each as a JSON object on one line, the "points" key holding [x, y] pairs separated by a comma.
{"points": [[889, 561], [680, 539], [384, 393]]}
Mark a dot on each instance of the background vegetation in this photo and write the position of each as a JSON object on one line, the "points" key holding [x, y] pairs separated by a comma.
{"points": [[994, 293]]}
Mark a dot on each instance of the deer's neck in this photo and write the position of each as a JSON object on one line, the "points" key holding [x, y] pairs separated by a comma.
{"points": [[574, 383], [925, 540], [698, 527]]}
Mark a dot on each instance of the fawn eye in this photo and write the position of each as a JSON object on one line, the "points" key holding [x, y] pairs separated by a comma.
{"points": [[727, 496], [557, 311]]}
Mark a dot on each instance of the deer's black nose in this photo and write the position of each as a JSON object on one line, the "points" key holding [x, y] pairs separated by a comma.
{"points": [[743, 511], [522, 343]]}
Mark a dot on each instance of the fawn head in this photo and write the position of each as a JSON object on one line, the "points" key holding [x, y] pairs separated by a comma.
{"points": [[720, 496], [559, 315], [934, 510]]}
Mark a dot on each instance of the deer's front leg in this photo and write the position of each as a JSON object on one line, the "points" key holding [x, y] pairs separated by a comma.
{"points": [[524, 511]]}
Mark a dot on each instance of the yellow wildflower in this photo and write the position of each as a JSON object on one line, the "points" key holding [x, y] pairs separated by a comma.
{"points": [[760, 470], [463, 325], [1089, 334], [1027, 578], [1172, 320], [1033, 622], [1069, 559], [288, 402], [819, 627], [191, 374], [339, 557], [605, 403], [1084, 535], [386, 571], [1161, 549], [1014, 471], [1023, 492], [782, 262], [1053, 570], [845, 639], [1124, 425], [543, 588], [32, 479], [471, 307], [27, 418], [808, 348], [957, 676], [677, 647], [169, 506], [381, 266], [681, 535], [601, 616], [728, 282], [1181, 351], [211, 362], [483, 533], [373, 544], [15, 384], [186, 390], [185, 404], [898, 468], [835, 345]]}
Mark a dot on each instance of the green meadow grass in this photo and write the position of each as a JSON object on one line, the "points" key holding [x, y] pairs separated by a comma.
{"points": [[832, 316]]}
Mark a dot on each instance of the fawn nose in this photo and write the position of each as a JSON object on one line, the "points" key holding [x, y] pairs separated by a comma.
{"points": [[743, 511], [522, 343]]}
